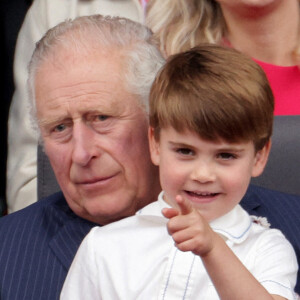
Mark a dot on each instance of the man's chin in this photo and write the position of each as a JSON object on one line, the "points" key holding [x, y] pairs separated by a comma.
{"points": [[107, 212]]}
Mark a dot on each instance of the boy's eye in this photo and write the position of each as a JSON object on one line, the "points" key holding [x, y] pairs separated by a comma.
{"points": [[185, 151], [226, 156]]}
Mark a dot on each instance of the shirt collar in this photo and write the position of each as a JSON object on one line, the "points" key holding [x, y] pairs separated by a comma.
{"points": [[233, 226]]}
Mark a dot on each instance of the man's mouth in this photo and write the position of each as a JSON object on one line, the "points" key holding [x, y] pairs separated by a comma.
{"points": [[91, 181]]}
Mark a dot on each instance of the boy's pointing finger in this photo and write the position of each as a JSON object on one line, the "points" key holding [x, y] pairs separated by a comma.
{"points": [[184, 205]]}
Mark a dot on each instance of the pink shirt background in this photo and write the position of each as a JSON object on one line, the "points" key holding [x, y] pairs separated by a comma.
{"points": [[285, 84]]}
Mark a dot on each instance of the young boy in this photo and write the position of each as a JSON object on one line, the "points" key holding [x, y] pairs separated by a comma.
{"points": [[211, 114]]}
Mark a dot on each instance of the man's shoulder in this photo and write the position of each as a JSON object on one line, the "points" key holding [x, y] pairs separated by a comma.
{"points": [[263, 197], [38, 244], [282, 210], [37, 207], [52, 206]]}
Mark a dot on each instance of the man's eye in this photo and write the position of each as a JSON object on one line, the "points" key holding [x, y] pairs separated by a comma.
{"points": [[185, 151], [60, 128], [227, 156], [101, 118], [101, 123]]}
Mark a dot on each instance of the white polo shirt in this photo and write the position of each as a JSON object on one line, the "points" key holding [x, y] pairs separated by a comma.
{"points": [[135, 258]]}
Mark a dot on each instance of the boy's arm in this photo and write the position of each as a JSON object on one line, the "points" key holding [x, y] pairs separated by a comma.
{"points": [[231, 278]]}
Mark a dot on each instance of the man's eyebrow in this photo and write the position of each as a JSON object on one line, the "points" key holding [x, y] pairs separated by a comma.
{"points": [[47, 122], [95, 111]]}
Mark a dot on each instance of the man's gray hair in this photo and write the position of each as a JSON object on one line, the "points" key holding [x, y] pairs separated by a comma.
{"points": [[141, 57]]}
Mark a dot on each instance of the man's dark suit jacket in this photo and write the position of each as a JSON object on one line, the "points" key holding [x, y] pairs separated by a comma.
{"points": [[38, 243]]}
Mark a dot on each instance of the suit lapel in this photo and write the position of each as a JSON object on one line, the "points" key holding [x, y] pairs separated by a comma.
{"points": [[68, 233], [67, 240]]}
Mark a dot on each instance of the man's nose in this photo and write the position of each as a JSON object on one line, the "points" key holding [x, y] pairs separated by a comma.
{"points": [[85, 147], [203, 172]]}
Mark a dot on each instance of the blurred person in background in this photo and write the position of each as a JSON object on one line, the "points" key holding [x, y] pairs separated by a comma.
{"points": [[266, 30]]}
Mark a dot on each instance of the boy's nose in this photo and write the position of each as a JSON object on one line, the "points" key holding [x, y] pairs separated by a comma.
{"points": [[203, 172]]}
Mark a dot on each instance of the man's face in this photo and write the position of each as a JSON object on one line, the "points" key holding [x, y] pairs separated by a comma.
{"points": [[95, 135]]}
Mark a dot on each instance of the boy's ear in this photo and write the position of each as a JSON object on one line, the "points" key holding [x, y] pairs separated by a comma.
{"points": [[154, 146], [261, 158]]}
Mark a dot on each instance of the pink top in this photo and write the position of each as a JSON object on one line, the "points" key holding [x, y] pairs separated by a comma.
{"points": [[285, 84]]}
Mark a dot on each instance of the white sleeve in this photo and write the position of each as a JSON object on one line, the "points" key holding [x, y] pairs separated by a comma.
{"points": [[82, 281], [276, 264]]}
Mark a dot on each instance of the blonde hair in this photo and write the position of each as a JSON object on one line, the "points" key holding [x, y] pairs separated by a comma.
{"points": [[182, 24], [176, 23], [217, 92]]}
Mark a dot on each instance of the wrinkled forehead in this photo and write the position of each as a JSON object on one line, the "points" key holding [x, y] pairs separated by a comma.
{"points": [[64, 56], [86, 83], [70, 78]]}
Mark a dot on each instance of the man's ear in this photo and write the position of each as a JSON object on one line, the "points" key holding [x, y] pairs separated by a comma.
{"points": [[261, 158], [154, 146]]}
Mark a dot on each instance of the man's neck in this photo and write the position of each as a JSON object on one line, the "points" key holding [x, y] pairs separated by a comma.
{"points": [[269, 34]]}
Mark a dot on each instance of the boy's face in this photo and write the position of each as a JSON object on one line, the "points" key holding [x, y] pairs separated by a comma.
{"points": [[214, 176]]}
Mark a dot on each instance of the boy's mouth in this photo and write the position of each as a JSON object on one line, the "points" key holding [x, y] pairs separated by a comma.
{"points": [[201, 194], [201, 197]]}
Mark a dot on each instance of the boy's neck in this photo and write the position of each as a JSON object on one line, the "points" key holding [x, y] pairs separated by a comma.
{"points": [[269, 34]]}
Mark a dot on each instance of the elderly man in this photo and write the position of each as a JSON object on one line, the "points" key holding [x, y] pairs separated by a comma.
{"points": [[90, 80], [24, 182]]}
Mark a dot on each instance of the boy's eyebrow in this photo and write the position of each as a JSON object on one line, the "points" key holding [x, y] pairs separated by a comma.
{"points": [[179, 144], [226, 148], [231, 149]]}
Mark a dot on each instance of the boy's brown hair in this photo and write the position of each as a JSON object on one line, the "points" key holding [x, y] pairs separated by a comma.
{"points": [[216, 92]]}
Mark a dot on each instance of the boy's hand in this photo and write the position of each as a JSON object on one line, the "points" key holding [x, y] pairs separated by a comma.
{"points": [[189, 229]]}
